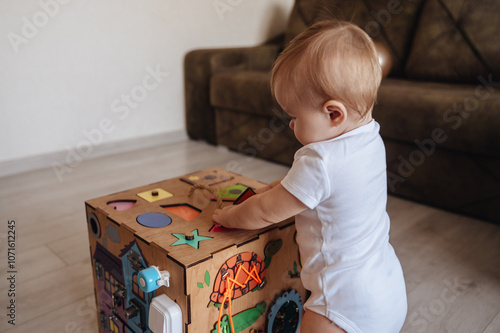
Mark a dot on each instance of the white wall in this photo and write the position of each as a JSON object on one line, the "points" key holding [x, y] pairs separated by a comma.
{"points": [[67, 66]]}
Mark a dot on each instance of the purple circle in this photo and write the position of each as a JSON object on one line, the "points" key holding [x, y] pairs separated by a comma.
{"points": [[154, 220]]}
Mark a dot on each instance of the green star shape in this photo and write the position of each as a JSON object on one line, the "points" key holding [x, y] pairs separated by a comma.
{"points": [[181, 239]]}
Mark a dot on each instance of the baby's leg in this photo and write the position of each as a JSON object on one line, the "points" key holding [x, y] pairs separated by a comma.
{"points": [[313, 322]]}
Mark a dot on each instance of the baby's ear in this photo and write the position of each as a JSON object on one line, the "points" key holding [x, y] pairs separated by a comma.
{"points": [[336, 111]]}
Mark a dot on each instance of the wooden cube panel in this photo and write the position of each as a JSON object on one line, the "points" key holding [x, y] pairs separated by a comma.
{"points": [[176, 234]]}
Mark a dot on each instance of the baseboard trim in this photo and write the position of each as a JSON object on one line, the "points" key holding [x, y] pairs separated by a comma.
{"points": [[32, 163]]}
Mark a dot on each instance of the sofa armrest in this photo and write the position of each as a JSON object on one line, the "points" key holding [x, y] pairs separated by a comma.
{"points": [[200, 65]]}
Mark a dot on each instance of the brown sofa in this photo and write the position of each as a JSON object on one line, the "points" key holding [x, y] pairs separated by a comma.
{"points": [[439, 108]]}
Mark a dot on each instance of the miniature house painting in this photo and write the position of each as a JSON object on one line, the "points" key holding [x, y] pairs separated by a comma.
{"points": [[125, 304]]}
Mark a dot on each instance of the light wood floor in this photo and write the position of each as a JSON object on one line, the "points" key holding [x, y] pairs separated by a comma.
{"points": [[451, 263]]}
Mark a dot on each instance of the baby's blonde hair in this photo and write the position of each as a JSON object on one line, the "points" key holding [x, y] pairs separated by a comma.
{"points": [[330, 60]]}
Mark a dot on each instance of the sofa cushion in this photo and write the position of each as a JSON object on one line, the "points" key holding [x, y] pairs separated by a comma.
{"points": [[463, 118], [456, 41], [422, 110], [390, 22], [248, 119], [465, 183], [246, 91], [256, 136]]}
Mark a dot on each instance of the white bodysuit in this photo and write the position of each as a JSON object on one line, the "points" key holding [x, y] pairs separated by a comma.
{"points": [[348, 265]]}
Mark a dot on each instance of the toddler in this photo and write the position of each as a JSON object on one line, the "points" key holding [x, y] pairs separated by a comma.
{"points": [[327, 81]]}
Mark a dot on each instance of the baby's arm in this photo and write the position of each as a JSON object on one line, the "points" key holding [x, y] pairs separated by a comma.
{"points": [[261, 210], [268, 187]]}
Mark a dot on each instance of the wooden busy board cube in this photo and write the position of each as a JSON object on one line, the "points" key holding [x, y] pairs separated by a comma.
{"points": [[161, 265]]}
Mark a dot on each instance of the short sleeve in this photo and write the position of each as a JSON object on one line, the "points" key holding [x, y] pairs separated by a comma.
{"points": [[307, 179]]}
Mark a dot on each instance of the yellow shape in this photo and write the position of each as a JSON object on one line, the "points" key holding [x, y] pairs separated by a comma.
{"points": [[194, 178], [155, 195]]}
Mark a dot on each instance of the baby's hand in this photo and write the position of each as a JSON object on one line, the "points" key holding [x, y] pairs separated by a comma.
{"points": [[222, 216], [261, 210]]}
